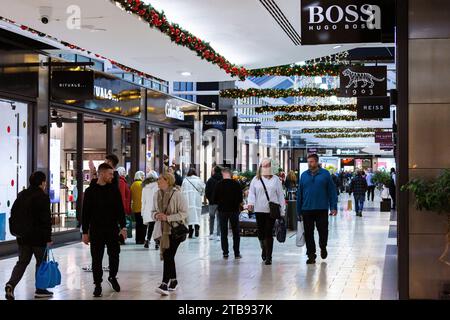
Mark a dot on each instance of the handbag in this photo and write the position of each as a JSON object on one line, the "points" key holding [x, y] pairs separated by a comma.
{"points": [[349, 205], [280, 230], [275, 208], [300, 237], [179, 232], [48, 274]]}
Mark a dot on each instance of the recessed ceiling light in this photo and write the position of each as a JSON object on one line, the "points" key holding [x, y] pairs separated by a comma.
{"points": [[337, 47], [186, 74]]}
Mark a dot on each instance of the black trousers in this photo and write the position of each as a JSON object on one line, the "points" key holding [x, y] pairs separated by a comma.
{"points": [[140, 228], [265, 231], [170, 271], [150, 228], [98, 243], [26, 252], [233, 217], [370, 191], [393, 196], [319, 219]]}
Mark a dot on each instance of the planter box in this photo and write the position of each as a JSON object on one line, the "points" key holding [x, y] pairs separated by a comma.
{"points": [[385, 205]]}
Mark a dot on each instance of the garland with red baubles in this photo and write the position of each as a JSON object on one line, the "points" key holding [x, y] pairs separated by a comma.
{"points": [[180, 36]]}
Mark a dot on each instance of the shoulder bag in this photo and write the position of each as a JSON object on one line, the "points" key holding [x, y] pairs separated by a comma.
{"points": [[180, 231], [275, 208]]}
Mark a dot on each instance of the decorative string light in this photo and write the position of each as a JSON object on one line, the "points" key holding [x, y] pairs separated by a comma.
{"points": [[305, 108], [276, 93], [340, 130], [343, 135]]}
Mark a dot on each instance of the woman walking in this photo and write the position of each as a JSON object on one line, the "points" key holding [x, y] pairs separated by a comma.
{"points": [[136, 206], [193, 189], [265, 187], [149, 189], [126, 199], [169, 211]]}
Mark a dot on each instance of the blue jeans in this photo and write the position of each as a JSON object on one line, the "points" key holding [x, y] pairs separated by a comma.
{"points": [[359, 202]]}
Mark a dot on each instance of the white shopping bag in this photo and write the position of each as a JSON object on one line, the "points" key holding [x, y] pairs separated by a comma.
{"points": [[300, 239]]}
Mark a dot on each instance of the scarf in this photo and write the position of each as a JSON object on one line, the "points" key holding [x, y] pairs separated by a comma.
{"points": [[164, 206]]}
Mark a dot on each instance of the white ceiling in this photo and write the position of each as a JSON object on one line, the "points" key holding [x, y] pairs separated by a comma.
{"points": [[242, 31]]}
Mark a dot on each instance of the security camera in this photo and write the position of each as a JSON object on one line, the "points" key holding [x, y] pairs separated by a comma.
{"points": [[13, 106], [44, 19]]}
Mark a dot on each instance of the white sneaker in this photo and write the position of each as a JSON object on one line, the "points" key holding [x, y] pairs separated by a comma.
{"points": [[218, 238], [212, 237]]}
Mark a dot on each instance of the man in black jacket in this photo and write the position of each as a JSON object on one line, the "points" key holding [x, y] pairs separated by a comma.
{"points": [[37, 205], [102, 214], [212, 207], [228, 196]]}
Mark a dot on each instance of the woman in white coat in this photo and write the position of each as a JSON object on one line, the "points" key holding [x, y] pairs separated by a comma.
{"points": [[193, 189], [149, 189]]}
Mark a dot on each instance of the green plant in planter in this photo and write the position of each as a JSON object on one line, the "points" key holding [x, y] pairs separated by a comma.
{"points": [[381, 178], [433, 196]]}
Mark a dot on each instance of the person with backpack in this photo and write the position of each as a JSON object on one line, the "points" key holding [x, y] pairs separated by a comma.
{"points": [[31, 223], [102, 215]]}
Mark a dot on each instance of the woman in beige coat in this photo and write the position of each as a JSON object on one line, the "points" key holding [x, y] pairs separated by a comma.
{"points": [[169, 209]]}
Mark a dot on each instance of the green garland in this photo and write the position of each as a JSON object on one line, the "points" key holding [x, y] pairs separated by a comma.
{"points": [[306, 108], [339, 130], [319, 117], [343, 135], [180, 36], [277, 93], [320, 69]]}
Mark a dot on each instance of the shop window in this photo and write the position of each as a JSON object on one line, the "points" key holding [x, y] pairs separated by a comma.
{"points": [[122, 143], [176, 86], [13, 171]]}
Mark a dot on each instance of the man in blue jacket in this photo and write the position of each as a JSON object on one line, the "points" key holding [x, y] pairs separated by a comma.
{"points": [[315, 196]]}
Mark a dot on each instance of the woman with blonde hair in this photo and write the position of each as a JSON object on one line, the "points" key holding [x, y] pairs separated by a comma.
{"points": [[136, 206], [265, 187], [169, 211]]}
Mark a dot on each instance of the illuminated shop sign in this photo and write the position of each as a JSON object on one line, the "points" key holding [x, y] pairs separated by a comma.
{"points": [[174, 112]]}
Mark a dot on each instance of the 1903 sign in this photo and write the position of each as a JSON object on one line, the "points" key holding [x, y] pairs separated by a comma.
{"points": [[359, 81]]}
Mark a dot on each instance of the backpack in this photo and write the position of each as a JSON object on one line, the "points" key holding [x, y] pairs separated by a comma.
{"points": [[21, 219]]}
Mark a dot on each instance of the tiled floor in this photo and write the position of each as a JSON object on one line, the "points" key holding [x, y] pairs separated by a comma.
{"points": [[359, 266]]}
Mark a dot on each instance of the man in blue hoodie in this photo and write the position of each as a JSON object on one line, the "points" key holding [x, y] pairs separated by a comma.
{"points": [[316, 195]]}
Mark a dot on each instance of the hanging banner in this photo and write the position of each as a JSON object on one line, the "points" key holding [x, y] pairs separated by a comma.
{"points": [[359, 81], [384, 138], [373, 108], [72, 85], [215, 121], [347, 21]]}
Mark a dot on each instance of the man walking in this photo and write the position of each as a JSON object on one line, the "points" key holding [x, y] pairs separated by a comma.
{"points": [[228, 196], [370, 185], [315, 196], [103, 212], [212, 207], [31, 223], [358, 187]]}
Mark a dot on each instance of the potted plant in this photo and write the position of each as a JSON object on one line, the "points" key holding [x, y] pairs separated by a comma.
{"points": [[382, 180], [433, 196]]}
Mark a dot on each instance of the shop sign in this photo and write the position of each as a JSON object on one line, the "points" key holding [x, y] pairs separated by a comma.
{"points": [[174, 112], [215, 122], [104, 93], [72, 85], [346, 21], [373, 108], [384, 138], [347, 151], [357, 81]]}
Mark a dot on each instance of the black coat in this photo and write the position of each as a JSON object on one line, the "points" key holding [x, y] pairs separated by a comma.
{"points": [[211, 187], [41, 231], [228, 196]]}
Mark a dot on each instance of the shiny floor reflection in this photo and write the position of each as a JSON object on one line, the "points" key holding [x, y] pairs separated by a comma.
{"points": [[356, 267]]}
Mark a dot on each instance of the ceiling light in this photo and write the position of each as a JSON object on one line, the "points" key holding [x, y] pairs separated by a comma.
{"points": [[337, 47], [186, 74]]}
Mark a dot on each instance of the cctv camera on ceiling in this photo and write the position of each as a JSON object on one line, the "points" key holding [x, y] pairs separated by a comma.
{"points": [[45, 13]]}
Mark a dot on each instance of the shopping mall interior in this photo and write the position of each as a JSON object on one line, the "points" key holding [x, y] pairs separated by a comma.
{"points": [[194, 85]]}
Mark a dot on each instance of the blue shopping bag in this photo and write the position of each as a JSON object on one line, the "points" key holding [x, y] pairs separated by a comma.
{"points": [[48, 274]]}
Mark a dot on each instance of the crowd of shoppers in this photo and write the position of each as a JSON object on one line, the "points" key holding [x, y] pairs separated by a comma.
{"points": [[160, 204]]}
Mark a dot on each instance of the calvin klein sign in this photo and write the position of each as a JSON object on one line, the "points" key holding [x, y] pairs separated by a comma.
{"points": [[373, 108], [345, 21], [174, 112], [72, 85], [215, 122], [357, 81]]}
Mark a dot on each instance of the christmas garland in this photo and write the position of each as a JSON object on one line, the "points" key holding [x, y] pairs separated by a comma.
{"points": [[277, 93], [319, 117], [320, 69], [180, 36], [338, 130], [343, 135], [306, 108]]}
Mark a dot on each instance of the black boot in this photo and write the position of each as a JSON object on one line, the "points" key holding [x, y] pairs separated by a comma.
{"points": [[191, 232], [268, 244], [197, 230], [263, 250]]}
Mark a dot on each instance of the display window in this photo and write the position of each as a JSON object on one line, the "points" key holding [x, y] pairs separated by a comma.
{"points": [[14, 168]]}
